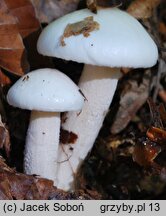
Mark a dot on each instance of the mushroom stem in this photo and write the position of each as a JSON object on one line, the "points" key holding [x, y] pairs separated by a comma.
{"points": [[98, 84], [42, 142]]}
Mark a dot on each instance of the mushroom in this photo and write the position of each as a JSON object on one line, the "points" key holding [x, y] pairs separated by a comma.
{"points": [[105, 42], [46, 92]]}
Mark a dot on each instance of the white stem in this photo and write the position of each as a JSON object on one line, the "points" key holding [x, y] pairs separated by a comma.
{"points": [[42, 142], [98, 84]]}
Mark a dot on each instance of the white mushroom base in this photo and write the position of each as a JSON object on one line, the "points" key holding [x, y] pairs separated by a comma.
{"points": [[98, 84], [42, 142]]}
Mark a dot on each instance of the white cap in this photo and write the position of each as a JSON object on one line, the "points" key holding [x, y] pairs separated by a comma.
{"points": [[45, 90], [120, 41]]}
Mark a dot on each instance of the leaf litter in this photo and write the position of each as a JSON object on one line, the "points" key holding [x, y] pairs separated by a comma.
{"points": [[128, 159]]}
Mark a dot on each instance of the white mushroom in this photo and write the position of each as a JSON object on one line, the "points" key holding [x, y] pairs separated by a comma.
{"points": [[119, 40], [46, 92]]}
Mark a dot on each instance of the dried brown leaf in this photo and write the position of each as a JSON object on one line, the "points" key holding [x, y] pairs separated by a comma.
{"points": [[12, 51], [82, 27], [28, 187], [142, 9], [14, 185], [24, 12], [132, 98], [5, 193], [48, 10], [29, 28]]}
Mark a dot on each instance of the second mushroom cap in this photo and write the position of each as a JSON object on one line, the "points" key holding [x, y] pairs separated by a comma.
{"points": [[45, 90]]}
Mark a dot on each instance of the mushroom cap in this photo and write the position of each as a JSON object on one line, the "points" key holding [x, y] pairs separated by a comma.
{"points": [[45, 90], [120, 41]]}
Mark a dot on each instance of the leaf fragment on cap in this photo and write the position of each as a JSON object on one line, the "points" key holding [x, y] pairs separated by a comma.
{"points": [[82, 27]]}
